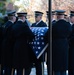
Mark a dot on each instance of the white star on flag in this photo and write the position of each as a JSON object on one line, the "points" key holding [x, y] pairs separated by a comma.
{"points": [[38, 45]]}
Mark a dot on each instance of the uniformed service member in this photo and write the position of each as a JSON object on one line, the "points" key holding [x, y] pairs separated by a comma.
{"points": [[60, 46], [7, 45], [21, 34], [26, 21], [38, 23], [38, 20], [71, 45], [53, 17]]}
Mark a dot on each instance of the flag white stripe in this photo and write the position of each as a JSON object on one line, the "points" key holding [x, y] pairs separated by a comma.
{"points": [[42, 51]]}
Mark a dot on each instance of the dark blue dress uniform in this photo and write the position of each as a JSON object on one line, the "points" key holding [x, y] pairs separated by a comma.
{"points": [[35, 60], [22, 35], [71, 48], [54, 21], [60, 47], [7, 46], [6, 43], [41, 24], [71, 51]]}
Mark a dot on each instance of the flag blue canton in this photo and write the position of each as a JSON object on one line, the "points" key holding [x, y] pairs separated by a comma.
{"points": [[38, 44]]}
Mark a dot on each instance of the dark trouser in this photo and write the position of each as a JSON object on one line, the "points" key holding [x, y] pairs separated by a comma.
{"points": [[6, 71], [38, 68], [60, 73], [20, 72], [28, 71], [71, 72]]}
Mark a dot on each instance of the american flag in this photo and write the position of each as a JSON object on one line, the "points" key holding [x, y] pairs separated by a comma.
{"points": [[38, 45]]}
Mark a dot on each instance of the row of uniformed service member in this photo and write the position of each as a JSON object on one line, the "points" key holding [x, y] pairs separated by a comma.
{"points": [[16, 52]]}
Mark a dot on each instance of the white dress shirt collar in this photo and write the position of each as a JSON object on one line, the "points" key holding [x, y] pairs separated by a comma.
{"points": [[71, 23], [20, 20]]}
